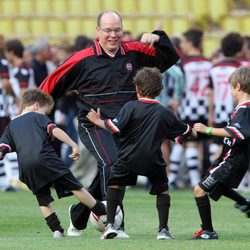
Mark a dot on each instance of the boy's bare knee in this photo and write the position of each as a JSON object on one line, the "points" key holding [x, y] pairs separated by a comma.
{"points": [[198, 191]]}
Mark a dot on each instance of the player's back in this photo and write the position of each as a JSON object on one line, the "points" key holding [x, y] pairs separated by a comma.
{"points": [[150, 123], [194, 106], [223, 100]]}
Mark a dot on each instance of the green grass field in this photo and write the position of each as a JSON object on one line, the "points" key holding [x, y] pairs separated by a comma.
{"points": [[22, 226]]}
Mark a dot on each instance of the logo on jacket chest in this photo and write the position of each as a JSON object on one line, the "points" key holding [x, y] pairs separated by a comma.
{"points": [[129, 67]]}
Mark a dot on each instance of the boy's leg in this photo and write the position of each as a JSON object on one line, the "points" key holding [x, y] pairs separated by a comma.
{"points": [[159, 187], [86, 198], [163, 205], [52, 221], [44, 199], [192, 161], [204, 208], [113, 200]]}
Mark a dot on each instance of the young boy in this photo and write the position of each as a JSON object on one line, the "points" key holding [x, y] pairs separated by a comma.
{"points": [[229, 169], [30, 135], [142, 126]]}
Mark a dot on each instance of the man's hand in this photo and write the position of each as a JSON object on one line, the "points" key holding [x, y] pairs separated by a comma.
{"points": [[149, 39], [199, 127], [93, 116]]}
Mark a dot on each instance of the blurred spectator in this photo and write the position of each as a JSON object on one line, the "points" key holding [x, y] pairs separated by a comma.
{"points": [[41, 63], [194, 104], [221, 102], [127, 36], [82, 42], [247, 47]]}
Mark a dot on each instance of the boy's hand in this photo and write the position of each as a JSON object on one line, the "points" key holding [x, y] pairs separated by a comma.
{"points": [[199, 127], [93, 116], [75, 155]]}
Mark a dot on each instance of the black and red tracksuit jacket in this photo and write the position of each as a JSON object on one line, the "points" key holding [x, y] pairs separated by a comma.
{"points": [[107, 82]]}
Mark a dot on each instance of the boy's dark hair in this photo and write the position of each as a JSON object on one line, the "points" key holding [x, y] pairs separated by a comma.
{"points": [[31, 96], [231, 44], [241, 76], [15, 46], [194, 36], [148, 82]]}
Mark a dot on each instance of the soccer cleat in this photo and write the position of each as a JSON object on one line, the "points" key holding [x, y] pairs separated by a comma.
{"points": [[244, 208], [57, 234], [72, 231], [121, 234], [109, 232], [164, 234], [205, 235]]}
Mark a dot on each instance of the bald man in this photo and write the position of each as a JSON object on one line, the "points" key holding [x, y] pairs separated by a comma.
{"points": [[103, 76]]}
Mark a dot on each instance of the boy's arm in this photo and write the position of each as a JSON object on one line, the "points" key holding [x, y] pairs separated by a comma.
{"points": [[62, 136], [94, 117], [201, 128]]}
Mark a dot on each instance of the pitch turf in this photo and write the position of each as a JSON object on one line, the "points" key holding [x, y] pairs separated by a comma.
{"points": [[22, 226]]}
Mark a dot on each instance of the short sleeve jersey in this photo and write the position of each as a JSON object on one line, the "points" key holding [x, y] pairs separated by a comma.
{"points": [[223, 101], [30, 136], [142, 126], [194, 105], [234, 160]]}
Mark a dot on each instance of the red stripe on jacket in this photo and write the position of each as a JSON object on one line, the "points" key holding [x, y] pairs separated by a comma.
{"points": [[50, 82]]}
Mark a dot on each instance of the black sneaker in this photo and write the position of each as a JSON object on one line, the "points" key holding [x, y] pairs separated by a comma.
{"points": [[244, 208], [205, 235]]}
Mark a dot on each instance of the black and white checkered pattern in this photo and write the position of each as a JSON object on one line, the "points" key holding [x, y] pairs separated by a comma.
{"points": [[223, 100], [194, 105]]}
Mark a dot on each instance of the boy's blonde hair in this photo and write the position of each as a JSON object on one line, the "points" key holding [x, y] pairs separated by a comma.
{"points": [[31, 96], [241, 76]]}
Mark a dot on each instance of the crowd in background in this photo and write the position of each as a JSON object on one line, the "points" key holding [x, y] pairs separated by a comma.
{"points": [[195, 89]]}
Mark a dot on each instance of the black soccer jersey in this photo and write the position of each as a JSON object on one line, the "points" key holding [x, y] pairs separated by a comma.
{"points": [[142, 126], [29, 135], [233, 162]]}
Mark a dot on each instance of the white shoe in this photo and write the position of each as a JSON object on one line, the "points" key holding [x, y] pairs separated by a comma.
{"points": [[72, 231], [109, 232], [164, 234], [121, 234], [57, 234]]}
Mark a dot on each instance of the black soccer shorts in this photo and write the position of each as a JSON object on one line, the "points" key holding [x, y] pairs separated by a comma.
{"points": [[63, 185]]}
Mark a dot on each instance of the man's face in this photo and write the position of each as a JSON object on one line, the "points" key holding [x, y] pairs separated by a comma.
{"points": [[110, 32], [185, 45]]}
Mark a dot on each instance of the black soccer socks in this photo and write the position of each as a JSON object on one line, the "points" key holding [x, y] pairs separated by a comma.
{"points": [[204, 209], [54, 223], [99, 208], [113, 200], [163, 205]]}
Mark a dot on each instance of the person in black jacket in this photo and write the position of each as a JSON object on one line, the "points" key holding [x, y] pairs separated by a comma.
{"points": [[102, 74]]}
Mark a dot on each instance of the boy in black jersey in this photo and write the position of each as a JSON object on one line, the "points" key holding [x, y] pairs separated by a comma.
{"points": [[142, 126], [30, 135], [229, 169]]}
